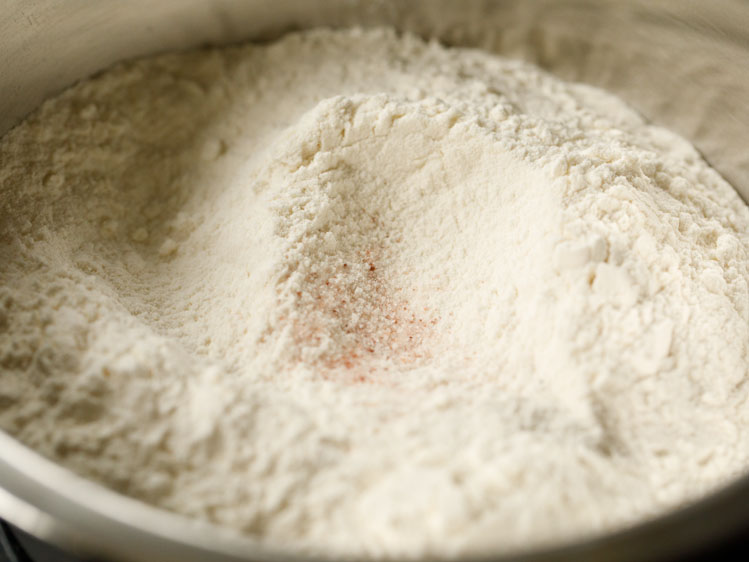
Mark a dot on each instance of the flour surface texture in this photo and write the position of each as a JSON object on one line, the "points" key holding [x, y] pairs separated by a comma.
{"points": [[352, 292]]}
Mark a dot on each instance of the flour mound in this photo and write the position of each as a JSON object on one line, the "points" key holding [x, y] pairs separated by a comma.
{"points": [[352, 292]]}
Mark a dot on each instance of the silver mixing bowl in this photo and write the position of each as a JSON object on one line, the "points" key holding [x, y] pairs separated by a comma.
{"points": [[643, 51]]}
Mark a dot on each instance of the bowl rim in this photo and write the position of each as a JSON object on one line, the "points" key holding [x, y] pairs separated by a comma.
{"points": [[54, 504]]}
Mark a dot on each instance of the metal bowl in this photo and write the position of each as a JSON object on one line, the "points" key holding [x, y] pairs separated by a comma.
{"points": [[633, 48]]}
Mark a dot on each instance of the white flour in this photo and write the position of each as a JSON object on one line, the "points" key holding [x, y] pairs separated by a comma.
{"points": [[358, 293]]}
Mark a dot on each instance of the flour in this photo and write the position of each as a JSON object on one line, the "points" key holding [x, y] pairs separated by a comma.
{"points": [[356, 293]]}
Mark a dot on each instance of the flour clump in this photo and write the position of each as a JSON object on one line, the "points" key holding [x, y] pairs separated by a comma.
{"points": [[354, 292]]}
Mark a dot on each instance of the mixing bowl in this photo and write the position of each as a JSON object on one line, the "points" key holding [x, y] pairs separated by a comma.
{"points": [[684, 65]]}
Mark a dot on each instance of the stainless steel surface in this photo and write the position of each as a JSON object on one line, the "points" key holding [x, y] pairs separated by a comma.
{"points": [[46, 45]]}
